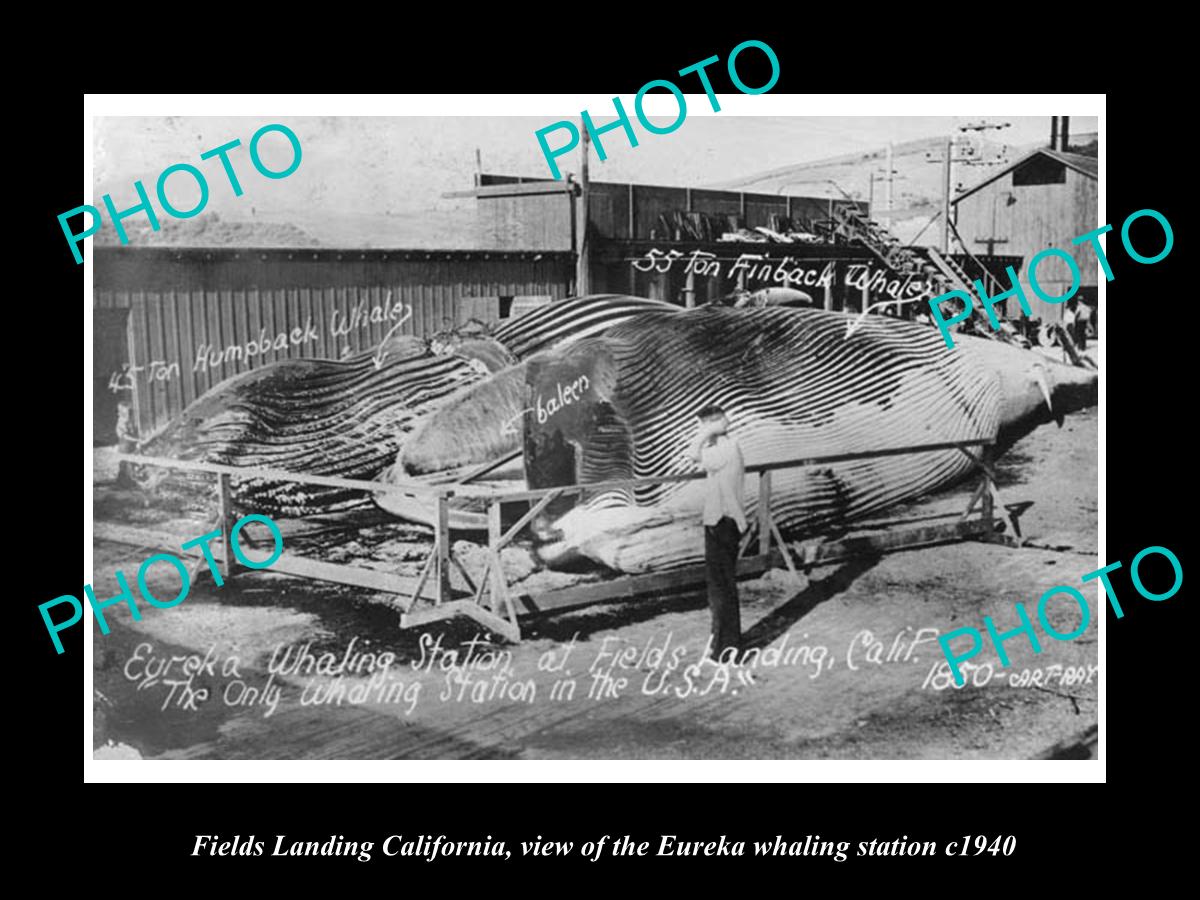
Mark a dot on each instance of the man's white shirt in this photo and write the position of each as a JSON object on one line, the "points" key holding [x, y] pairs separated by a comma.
{"points": [[722, 461]]}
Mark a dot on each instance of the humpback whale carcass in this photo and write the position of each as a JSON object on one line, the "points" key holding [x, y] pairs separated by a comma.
{"points": [[342, 418], [349, 418], [621, 404]]}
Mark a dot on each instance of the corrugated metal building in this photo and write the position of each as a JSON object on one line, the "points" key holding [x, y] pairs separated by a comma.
{"points": [[1045, 199], [172, 322]]}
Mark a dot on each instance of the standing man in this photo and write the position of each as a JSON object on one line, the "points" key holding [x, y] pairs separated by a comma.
{"points": [[1070, 311], [724, 522], [1083, 314]]}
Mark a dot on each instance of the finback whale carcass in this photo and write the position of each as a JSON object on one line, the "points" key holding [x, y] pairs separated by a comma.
{"points": [[621, 404]]}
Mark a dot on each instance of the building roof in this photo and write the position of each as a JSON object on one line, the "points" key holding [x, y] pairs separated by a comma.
{"points": [[1084, 165]]}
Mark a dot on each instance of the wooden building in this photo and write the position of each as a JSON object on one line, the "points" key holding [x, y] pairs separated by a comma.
{"points": [[665, 242], [1045, 199]]}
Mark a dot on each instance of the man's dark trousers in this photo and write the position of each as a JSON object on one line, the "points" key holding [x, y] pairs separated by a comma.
{"points": [[720, 559]]}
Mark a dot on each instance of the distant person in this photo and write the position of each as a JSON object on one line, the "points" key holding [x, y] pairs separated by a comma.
{"points": [[127, 442], [724, 522], [1070, 310], [1083, 316], [1075, 321]]}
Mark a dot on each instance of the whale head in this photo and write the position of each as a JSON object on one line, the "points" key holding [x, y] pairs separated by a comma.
{"points": [[1035, 389]]}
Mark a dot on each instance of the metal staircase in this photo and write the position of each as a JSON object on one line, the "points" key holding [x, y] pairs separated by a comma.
{"points": [[854, 227], [849, 225], [950, 270]]}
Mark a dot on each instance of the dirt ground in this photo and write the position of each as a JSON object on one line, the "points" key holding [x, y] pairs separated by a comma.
{"points": [[848, 663]]}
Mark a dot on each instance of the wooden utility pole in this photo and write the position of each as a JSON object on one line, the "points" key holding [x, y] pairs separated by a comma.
{"points": [[880, 175], [890, 173], [582, 279], [991, 243], [947, 162], [946, 195]]}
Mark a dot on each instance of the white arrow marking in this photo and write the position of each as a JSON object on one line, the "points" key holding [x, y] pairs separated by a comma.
{"points": [[380, 353], [852, 327], [507, 428]]}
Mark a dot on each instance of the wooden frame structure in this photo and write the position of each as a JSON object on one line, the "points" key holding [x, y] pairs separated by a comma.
{"points": [[772, 550], [432, 584], [491, 601]]}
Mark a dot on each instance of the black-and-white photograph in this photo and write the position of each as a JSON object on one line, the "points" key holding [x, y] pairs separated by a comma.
{"points": [[771, 437]]}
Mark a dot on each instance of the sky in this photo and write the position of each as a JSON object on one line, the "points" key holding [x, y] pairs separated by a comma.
{"points": [[373, 181]]}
